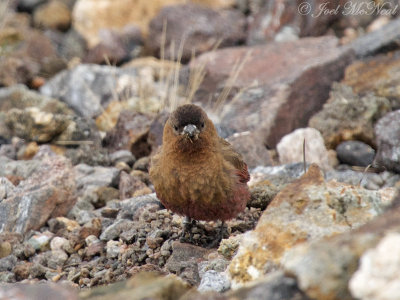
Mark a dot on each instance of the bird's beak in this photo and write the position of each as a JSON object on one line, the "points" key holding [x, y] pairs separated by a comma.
{"points": [[191, 131]]}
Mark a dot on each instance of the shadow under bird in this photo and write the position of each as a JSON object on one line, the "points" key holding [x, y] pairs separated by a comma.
{"points": [[196, 173]]}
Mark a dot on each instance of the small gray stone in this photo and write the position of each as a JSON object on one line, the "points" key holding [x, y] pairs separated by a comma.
{"points": [[8, 263], [60, 243], [355, 153], [40, 241], [91, 239], [122, 156], [112, 232], [97, 176], [113, 249], [56, 259], [214, 281], [7, 277]]}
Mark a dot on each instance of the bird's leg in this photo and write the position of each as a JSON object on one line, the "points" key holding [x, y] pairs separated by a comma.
{"points": [[187, 228], [218, 236]]}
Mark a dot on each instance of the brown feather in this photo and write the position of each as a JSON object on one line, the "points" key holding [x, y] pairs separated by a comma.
{"points": [[204, 180]]}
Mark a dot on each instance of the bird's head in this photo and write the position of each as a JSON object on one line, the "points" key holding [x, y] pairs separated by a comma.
{"points": [[188, 129]]}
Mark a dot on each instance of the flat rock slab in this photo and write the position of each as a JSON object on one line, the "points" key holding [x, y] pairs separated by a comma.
{"points": [[279, 86]]}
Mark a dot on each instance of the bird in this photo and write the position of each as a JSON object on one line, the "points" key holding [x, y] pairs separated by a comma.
{"points": [[196, 173]]}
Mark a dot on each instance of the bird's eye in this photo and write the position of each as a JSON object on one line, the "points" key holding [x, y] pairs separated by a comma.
{"points": [[176, 127], [202, 125]]}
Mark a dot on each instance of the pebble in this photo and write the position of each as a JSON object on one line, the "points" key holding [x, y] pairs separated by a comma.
{"points": [[113, 249], [355, 153], [40, 241], [214, 281]]}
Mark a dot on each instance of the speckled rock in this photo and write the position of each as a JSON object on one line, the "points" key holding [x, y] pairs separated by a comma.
{"points": [[323, 268], [262, 193], [35, 125], [214, 281], [7, 263], [36, 117], [305, 210], [20, 97], [347, 116], [387, 139], [383, 68]]}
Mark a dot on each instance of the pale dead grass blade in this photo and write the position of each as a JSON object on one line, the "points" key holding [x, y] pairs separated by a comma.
{"points": [[223, 96]]}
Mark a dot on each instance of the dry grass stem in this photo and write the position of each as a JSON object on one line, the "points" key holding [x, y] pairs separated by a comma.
{"points": [[223, 96]]}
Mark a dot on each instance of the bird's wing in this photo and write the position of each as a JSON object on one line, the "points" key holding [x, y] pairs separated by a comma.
{"points": [[235, 159]]}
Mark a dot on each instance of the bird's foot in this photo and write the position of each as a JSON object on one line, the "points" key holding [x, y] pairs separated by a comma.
{"points": [[188, 223], [221, 232]]}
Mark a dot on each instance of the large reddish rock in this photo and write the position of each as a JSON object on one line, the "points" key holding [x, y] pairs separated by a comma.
{"points": [[278, 87], [197, 29], [48, 193]]}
